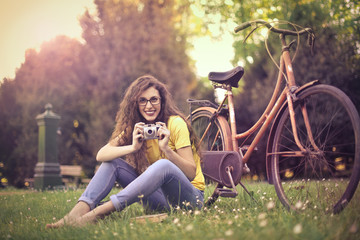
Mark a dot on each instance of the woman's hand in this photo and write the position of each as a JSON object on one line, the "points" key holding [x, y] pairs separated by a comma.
{"points": [[138, 136], [164, 135], [115, 148], [183, 157]]}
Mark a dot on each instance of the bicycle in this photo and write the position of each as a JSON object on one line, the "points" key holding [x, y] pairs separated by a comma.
{"points": [[313, 149]]}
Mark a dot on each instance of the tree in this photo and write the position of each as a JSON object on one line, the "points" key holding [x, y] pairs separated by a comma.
{"points": [[85, 82], [9, 126], [336, 25], [125, 40], [46, 76]]}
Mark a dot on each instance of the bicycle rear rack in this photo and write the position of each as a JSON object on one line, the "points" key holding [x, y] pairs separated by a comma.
{"points": [[205, 103], [201, 103]]}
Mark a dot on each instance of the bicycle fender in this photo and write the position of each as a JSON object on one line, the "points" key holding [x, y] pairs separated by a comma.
{"points": [[209, 109], [275, 125]]}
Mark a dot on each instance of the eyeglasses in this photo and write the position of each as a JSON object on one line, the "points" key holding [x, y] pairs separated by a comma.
{"points": [[152, 100]]}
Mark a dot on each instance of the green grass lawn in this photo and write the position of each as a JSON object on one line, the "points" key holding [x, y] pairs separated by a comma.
{"points": [[24, 214]]}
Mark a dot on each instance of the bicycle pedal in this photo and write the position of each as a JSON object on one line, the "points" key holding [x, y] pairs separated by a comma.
{"points": [[223, 192], [246, 169], [246, 147]]}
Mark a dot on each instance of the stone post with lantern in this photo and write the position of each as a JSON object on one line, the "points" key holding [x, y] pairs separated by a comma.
{"points": [[47, 170]]}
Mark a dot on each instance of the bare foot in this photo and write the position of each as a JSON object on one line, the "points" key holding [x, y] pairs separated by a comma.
{"points": [[81, 215], [75, 222], [58, 224], [80, 209], [94, 215], [89, 218]]}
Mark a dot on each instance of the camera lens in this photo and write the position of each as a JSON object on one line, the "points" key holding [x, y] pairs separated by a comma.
{"points": [[149, 131]]}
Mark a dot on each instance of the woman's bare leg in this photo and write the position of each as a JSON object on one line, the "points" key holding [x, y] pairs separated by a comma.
{"points": [[98, 188], [80, 209], [97, 213]]}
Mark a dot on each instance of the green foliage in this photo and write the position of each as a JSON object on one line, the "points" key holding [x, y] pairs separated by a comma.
{"points": [[10, 129], [85, 82]]}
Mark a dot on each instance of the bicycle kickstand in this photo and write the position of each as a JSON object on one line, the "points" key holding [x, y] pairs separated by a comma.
{"points": [[243, 186], [228, 171]]}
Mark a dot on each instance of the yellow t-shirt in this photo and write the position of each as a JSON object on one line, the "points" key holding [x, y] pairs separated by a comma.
{"points": [[179, 138]]}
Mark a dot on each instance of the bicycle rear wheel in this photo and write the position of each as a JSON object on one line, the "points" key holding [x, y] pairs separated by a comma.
{"points": [[218, 137], [324, 176]]}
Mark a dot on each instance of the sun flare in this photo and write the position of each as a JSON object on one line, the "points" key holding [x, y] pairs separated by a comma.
{"points": [[27, 24]]}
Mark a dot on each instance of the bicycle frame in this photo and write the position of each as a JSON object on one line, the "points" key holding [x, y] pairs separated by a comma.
{"points": [[285, 172], [276, 102]]}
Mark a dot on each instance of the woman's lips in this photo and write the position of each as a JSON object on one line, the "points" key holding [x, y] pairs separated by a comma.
{"points": [[150, 113]]}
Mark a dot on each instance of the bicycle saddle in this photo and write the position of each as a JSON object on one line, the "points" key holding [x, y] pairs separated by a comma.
{"points": [[231, 77]]}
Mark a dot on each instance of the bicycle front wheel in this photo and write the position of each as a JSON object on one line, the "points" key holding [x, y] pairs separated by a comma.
{"points": [[214, 133], [325, 174]]}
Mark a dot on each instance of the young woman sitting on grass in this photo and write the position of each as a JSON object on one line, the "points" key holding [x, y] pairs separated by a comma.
{"points": [[161, 173]]}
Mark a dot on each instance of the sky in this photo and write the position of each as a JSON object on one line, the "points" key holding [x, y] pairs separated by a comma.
{"points": [[27, 24]]}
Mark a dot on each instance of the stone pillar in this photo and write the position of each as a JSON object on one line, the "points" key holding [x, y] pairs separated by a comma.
{"points": [[47, 170]]}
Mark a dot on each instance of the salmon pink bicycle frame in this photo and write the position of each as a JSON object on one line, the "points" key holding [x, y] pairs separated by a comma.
{"points": [[276, 102], [295, 164]]}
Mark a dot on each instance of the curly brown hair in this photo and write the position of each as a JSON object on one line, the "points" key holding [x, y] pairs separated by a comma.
{"points": [[127, 116]]}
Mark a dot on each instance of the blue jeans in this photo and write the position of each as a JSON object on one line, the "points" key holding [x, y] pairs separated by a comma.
{"points": [[160, 186]]}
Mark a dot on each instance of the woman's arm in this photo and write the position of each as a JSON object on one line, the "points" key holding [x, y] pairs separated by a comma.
{"points": [[111, 151], [114, 150], [183, 157]]}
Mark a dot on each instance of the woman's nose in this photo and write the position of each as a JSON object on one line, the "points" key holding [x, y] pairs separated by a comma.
{"points": [[148, 104]]}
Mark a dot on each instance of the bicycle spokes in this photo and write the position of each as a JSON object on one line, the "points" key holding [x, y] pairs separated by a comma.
{"points": [[324, 174]]}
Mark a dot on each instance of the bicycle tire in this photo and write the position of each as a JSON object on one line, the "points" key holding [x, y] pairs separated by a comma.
{"points": [[326, 179], [218, 138]]}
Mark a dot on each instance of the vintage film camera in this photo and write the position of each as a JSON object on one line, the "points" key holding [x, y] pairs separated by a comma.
{"points": [[150, 131]]}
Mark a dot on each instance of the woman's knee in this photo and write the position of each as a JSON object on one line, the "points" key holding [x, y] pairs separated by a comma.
{"points": [[111, 164], [165, 166], [164, 163]]}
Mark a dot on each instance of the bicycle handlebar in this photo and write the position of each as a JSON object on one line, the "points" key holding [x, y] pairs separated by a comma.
{"points": [[273, 29]]}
